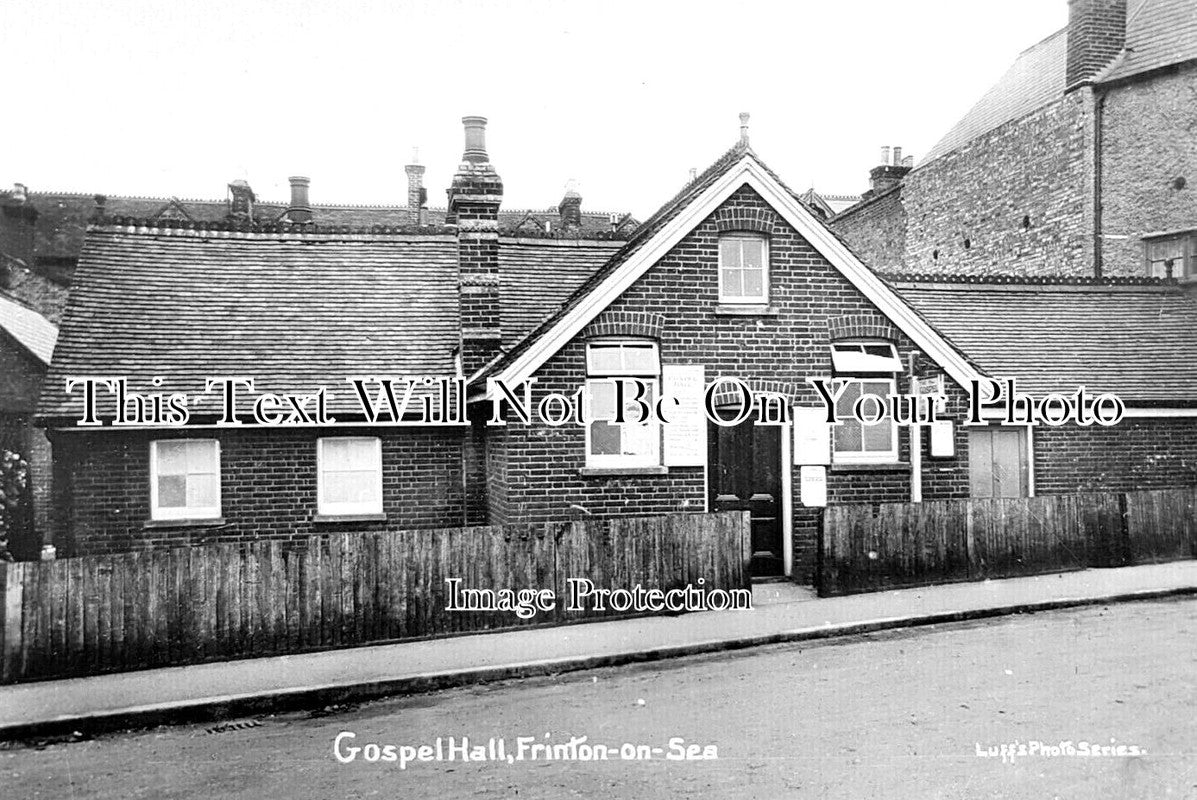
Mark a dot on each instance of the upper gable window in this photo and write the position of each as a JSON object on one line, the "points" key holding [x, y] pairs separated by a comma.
{"points": [[743, 268], [1172, 256]]}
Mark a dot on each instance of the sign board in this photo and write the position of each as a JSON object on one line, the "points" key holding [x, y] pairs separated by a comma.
{"points": [[814, 486], [685, 435], [929, 385], [812, 436], [943, 443]]}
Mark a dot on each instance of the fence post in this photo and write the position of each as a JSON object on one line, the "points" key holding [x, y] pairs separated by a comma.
{"points": [[10, 619]]}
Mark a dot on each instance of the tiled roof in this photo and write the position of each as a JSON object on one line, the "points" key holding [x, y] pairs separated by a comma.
{"points": [[63, 218], [538, 275], [1158, 33], [294, 311], [1133, 340], [1034, 80], [30, 329]]}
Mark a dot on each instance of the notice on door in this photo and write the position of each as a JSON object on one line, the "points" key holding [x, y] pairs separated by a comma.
{"points": [[686, 434], [814, 486]]}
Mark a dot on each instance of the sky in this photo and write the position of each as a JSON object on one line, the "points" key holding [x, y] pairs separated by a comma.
{"points": [[167, 99]]}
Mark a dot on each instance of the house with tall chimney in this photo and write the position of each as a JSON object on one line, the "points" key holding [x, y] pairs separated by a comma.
{"points": [[1078, 162], [730, 306]]}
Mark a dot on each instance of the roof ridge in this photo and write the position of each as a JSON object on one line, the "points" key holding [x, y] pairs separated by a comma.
{"points": [[1028, 280]]}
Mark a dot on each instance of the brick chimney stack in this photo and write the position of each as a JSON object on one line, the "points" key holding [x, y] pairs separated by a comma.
{"points": [[570, 207], [299, 210], [417, 195], [241, 201], [891, 171], [474, 198], [1096, 34]]}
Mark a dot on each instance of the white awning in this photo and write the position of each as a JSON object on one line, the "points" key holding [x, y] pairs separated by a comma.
{"points": [[855, 358]]}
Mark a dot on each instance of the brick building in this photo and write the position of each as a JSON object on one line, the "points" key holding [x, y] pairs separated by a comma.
{"points": [[733, 277], [1080, 161]]}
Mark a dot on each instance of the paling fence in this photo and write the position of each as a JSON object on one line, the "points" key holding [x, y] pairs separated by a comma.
{"points": [[89, 615], [868, 547]]}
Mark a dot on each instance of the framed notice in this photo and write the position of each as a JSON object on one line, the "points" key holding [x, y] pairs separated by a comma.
{"points": [[685, 434], [812, 437], [943, 442], [814, 486]]}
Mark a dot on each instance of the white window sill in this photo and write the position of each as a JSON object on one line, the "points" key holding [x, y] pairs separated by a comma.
{"points": [[203, 522], [865, 466], [349, 518], [746, 310], [602, 472]]}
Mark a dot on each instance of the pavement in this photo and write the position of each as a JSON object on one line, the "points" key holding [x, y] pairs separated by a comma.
{"points": [[782, 612]]}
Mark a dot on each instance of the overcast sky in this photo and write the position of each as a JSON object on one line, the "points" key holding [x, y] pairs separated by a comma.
{"points": [[177, 99]]}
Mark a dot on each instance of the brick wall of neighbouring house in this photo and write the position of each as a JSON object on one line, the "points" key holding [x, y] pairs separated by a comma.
{"points": [[1142, 453], [1149, 135], [543, 480], [876, 230], [1037, 167], [268, 487], [21, 378]]}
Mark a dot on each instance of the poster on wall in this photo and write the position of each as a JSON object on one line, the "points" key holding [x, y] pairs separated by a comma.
{"points": [[814, 486], [686, 434], [812, 437]]}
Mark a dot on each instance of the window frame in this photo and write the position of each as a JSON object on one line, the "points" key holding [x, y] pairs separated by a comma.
{"points": [[1184, 266], [746, 300], [863, 456], [652, 458], [327, 509], [159, 513]]}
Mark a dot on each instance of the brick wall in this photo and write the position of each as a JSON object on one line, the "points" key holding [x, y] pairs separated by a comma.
{"points": [[268, 487], [542, 477], [1149, 134], [876, 230], [1141, 453]]}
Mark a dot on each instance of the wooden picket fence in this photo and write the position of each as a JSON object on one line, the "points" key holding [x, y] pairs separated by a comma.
{"points": [[83, 616], [866, 547]]}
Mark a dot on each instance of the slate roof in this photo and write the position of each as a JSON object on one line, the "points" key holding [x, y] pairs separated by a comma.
{"points": [[64, 216], [1034, 79], [293, 311], [30, 329], [1134, 338], [1158, 33], [536, 277]]}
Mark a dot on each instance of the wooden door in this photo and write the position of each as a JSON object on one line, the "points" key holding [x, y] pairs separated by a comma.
{"points": [[997, 462], [744, 473]]}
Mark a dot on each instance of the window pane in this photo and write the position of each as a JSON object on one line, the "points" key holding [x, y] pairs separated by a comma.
{"points": [[640, 359], [602, 400], [172, 458], [201, 491], [877, 438], [843, 407], [201, 456], [340, 487], [847, 436], [172, 491], [753, 283], [732, 286], [729, 252], [753, 251], [605, 439], [604, 359]]}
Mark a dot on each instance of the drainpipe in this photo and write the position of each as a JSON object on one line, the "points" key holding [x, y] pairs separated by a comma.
{"points": [[1099, 105]]}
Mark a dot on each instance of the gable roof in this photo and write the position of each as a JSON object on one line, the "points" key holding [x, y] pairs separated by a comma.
{"points": [[1159, 33], [1034, 79], [737, 167], [1133, 339], [537, 275], [28, 328]]}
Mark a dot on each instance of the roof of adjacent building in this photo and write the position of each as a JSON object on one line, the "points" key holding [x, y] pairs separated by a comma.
{"points": [[1132, 337], [28, 328], [64, 216], [1034, 79], [183, 305], [1159, 33]]}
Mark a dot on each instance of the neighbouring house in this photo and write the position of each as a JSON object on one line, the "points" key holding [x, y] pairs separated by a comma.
{"points": [[1080, 161], [735, 277], [27, 336]]}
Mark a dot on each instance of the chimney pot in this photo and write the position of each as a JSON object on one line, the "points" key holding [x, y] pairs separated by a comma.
{"points": [[885, 155], [897, 156], [415, 186], [20, 193], [475, 140], [300, 210]]}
